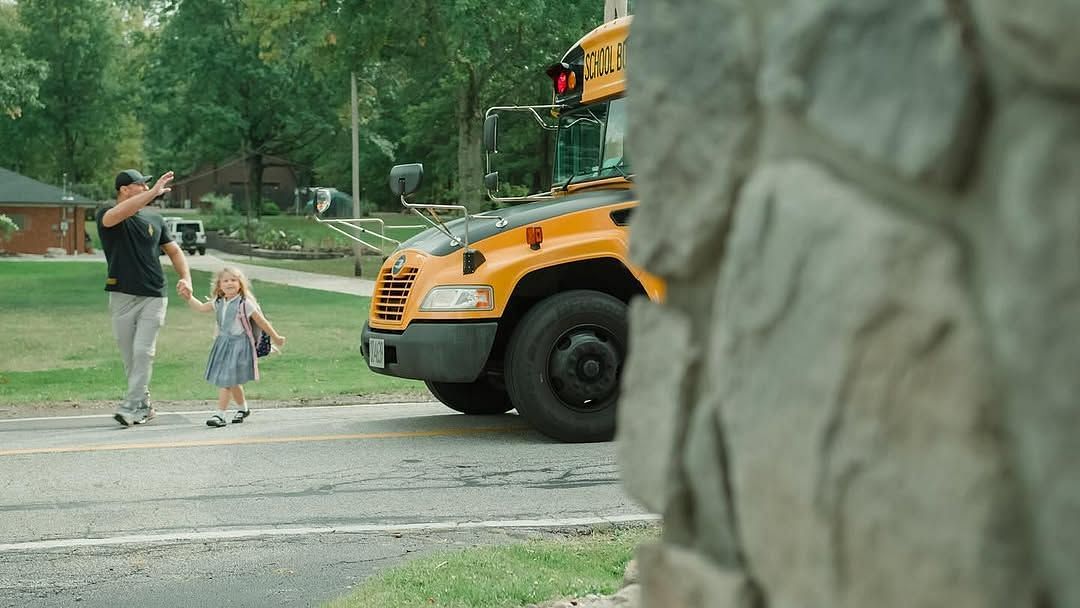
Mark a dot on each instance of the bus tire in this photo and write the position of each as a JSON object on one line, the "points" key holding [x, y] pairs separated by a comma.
{"points": [[563, 365], [477, 398]]}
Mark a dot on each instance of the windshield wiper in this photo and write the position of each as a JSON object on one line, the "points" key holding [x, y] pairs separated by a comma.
{"points": [[619, 167], [566, 185]]}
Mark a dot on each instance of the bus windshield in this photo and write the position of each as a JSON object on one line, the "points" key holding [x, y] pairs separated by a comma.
{"points": [[590, 143]]}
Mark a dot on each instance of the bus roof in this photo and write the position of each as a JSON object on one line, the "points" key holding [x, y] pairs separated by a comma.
{"points": [[599, 60]]}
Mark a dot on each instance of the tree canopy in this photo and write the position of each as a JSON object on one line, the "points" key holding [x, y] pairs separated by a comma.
{"points": [[99, 85], [20, 77]]}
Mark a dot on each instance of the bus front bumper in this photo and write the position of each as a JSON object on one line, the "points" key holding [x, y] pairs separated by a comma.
{"points": [[437, 352]]}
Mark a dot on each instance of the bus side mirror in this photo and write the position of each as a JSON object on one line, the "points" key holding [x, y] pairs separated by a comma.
{"points": [[323, 200], [405, 179], [491, 181], [491, 132]]}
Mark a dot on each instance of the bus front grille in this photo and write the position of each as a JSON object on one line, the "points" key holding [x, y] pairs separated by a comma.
{"points": [[391, 294]]}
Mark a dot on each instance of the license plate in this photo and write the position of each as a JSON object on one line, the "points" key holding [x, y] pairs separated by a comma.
{"points": [[376, 357]]}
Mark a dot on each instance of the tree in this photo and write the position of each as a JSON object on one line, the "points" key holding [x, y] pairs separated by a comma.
{"points": [[20, 77], [82, 106], [234, 92], [458, 57]]}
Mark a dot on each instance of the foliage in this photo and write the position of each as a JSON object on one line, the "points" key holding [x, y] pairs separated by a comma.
{"points": [[20, 77], [82, 116], [269, 208], [426, 80], [8, 227], [269, 237], [165, 84], [226, 224], [506, 576], [229, 93], [220, 204]]}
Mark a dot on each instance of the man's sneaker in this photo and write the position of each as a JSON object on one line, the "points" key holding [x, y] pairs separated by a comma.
{"points": [[144, 415], [216, 421], [240, 415], [123, 418]]}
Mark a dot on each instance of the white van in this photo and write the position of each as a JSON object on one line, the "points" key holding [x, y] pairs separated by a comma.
{"points": [[189, 234]]}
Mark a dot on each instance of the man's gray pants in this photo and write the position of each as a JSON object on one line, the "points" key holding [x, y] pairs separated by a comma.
{"points": [[136, 321]]}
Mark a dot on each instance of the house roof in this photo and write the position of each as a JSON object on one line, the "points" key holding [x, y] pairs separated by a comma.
{"points": [[21, 190]]}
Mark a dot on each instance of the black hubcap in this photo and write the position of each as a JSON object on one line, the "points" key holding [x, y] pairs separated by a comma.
{"points": [[584, 368]]}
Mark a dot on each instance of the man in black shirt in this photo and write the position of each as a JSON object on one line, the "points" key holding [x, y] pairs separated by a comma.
{"points": [[133, 238]]}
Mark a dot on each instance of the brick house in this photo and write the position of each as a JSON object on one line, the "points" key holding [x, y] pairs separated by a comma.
{"points": [[46, 215]]}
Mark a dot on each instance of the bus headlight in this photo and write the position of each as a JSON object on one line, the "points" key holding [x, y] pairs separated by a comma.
{"points": [[459, 297]]}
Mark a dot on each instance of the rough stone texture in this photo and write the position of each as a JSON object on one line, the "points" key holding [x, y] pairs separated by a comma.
{"points": [[863, 71], [873, 266], [1037, 38], [1030, 283], [848, 369], [657, 379]]}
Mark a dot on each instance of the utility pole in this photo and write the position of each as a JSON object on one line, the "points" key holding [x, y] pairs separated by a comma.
{"points": [[613, 9], [357, 250], [249, 238]]}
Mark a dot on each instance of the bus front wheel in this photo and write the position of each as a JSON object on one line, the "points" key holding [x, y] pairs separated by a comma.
{"points": [[563, 365], [478, 398]]}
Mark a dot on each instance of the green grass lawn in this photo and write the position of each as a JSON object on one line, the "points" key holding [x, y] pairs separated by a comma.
{"points": [[56, 341], [508, 576]]}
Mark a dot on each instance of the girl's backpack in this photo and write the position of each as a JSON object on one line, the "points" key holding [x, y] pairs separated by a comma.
{"points": [[259, 338], [262, 346]]}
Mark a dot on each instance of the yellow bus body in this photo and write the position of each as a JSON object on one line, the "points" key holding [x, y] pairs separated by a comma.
{"points": [[482, 361]]}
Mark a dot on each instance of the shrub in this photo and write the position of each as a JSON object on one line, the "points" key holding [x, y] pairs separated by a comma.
{"points": [[268, 237], [8, 227], [270, 208], [225, 224], [220, 204]]}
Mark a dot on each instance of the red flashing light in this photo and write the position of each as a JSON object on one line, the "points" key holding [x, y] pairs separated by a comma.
{"points": [[560, 83], [564, 78]]}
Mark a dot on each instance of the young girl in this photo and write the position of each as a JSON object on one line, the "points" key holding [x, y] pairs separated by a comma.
{"points": [[232, 357]]}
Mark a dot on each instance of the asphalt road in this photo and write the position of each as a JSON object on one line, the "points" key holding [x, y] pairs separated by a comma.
{"points": [[290, 508]]}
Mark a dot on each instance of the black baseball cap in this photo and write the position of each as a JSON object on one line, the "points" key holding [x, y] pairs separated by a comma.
{"points": [[130, 176]]}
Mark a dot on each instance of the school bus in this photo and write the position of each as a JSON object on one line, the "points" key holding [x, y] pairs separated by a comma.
{"points": [[525, 306]]}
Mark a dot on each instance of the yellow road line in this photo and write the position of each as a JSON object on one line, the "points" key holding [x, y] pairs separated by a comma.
{"points": [[256, 440]]}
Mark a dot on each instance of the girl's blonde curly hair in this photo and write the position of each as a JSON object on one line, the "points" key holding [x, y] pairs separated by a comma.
{"points": [[217, 292]]}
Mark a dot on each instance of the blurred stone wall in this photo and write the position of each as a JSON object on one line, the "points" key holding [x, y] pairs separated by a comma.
{"points": [[863, 388]]}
